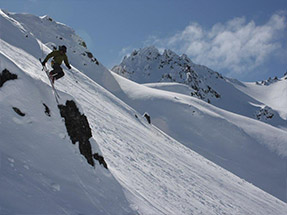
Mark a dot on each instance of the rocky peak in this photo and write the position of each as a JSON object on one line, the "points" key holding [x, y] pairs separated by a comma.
{"points": [[148, 53], [170, 54], [147, 65], [184, 57], [271, 80]]}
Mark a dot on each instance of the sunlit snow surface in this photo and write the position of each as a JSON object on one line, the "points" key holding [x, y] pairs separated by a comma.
{"points": [[149, 171]]}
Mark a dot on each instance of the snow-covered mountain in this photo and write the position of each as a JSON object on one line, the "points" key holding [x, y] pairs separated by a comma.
{"points": [[148, 66], [149, 172], [224, 140]]}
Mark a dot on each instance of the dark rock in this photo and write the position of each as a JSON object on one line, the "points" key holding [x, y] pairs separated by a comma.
{"points": [[90, 55], [100, 159], [147, 116], [6, 76], [18, 111], [78, 129], [47, 110], [82, 43], [86, 150], [265, 113]]}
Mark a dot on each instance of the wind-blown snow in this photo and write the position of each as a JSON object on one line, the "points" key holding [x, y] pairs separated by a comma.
{"points": [[149, 172]]}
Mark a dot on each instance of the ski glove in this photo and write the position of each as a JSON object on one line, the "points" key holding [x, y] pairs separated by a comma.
{"points": [[69, 67], [43, 63]]}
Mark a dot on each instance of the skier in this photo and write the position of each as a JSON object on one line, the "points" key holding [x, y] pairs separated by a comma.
{"points": [[59, 57]]}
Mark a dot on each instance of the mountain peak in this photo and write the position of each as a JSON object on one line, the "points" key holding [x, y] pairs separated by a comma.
{"points": [[150, 52], [147, 65], [170, 54]]}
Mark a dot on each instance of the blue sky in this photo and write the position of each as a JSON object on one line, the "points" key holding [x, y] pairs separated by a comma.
{"points": [[243, 39]]}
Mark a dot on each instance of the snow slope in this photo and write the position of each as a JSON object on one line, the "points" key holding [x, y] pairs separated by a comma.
{"points": [[251, 149], [151, 173], [273, 94], [41, 171], [227, 135]]}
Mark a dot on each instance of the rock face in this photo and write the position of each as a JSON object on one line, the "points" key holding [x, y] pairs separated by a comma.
{"points": [[79, 131], [149, 66], [265, 113], [270, 81], [6, 76]]}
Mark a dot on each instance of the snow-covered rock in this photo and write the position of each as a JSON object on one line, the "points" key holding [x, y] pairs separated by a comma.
{"points": [[265, 113], [268, 81], [147, 65]]}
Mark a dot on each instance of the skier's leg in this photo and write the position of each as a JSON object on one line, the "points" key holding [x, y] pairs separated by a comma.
{"points": [[54, 71], [57, 72], [52, 74]]}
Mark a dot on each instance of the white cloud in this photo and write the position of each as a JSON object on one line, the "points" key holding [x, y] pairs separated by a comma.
{"points": [[237, 45]]}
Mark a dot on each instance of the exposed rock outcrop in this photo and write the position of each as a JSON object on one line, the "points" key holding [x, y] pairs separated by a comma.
{"points": [[147, 116], [79, 131], [6, 76], [265, 113], [18, 111]]}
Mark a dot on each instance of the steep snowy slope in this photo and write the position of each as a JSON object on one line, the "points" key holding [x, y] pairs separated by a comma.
{"points": [[157, 174], [53, 34], [41, 170], [226, 140], [147, 65], [247, 147]]}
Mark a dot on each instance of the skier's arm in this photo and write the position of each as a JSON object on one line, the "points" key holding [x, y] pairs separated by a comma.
{"points": [[52, 54], [67, 62]]}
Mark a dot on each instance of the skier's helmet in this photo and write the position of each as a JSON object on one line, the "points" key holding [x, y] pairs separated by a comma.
{"points": [[63, 48]]}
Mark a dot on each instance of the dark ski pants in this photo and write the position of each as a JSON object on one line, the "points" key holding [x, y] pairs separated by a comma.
{"points": [[57, 71]]}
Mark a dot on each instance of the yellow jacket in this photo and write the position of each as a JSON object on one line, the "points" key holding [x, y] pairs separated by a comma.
{"points": [[58, 58]]}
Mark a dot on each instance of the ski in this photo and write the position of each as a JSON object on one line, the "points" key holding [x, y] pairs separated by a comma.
{"points": [[45, 69]]}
